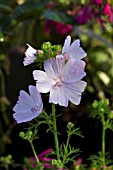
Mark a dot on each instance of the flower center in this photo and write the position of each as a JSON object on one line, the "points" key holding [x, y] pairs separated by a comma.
{"points": [[58, 83], [34, 109], [66, 56]]}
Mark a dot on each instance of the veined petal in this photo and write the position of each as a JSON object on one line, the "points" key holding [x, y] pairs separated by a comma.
{"points": [[36, 96], [66, 44], [58, 96], [74, 45], [24, 100], [72, 71], [44, 83], [74, 90], [76, 53], [25, 116], [50, 68], [28, 107]]}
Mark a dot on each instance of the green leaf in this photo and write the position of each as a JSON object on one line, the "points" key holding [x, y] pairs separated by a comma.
{"points": [[57, 16], [5, 8]]}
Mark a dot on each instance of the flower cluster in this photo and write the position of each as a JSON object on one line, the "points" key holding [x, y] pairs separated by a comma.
{"points": [[97, 11], [61, 77]]}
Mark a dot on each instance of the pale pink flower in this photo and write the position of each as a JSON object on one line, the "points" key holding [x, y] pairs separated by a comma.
{"points": [[62, 80], [28, 106], [30, 54], [72, 51]]}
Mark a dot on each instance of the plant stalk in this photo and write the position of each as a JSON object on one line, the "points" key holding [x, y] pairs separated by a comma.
{"points": [[55, 132]]}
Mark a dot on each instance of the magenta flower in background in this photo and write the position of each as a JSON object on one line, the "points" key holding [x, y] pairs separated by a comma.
{"points": [[97, 2], [84, 15], [42, 158], [30, 54], [28, 106], [62, 80], [72, 51], [78, 162], [62, 28], [108, 10]]}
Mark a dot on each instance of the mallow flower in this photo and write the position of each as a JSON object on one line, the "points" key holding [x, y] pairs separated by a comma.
{"points": [[28, 106], [62, 80], [72, 51], [30, 54]]}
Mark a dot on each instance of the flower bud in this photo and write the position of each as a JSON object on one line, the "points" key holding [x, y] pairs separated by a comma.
{"points": [[22, 134]]}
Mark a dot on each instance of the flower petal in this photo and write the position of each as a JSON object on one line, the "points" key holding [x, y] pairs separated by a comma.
{"points": [[73, 71], [50, 68], [66, 44], [36, 96], [74, 90], [24, 101], [30, 50], [58, 96], [24, 116], [30, 55], [28, 107], [76, 53], [44, 83]]}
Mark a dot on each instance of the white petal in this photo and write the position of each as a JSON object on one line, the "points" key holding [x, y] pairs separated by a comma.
{"points": [[31, 50], [76, 53], [58, 96], [50, 68], [75, 45], [44, 83], [72, 71], [74, 91], [66, 44]]}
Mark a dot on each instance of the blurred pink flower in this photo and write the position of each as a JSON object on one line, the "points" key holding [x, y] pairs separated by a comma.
{"points": [[63, 28], [60, 28], [108, 10], [84, 15], [98, 2], [42, 158], [78, 162]]}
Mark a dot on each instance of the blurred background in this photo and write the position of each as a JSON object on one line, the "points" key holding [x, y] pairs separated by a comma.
{"points": [[33, 22]]}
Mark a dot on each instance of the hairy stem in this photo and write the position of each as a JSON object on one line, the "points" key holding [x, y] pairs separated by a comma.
{"points": [[55, 132]]}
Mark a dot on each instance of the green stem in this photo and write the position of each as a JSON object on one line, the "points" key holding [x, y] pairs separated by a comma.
{"points": [[32, 146], [103, 141], [65, 152], [55, 132]]}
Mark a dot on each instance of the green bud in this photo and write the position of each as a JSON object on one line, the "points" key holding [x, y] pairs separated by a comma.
{"points": [[95, 104], [70, 125], [57, 48], [111, 115], [54, 162], [107, 102], [46, 45], [9, 157], [22, 134], [30, 133], [40, 53], [102, 110]]}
